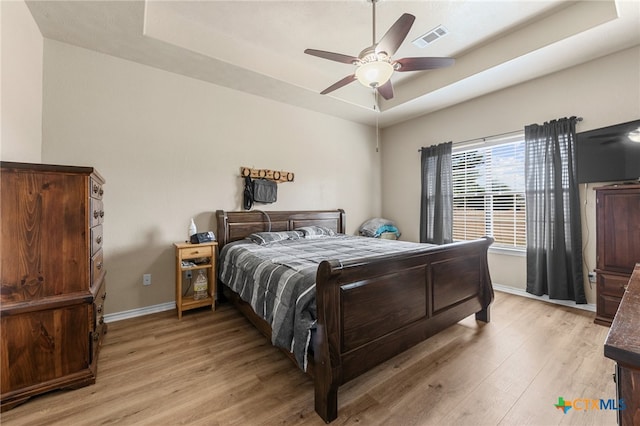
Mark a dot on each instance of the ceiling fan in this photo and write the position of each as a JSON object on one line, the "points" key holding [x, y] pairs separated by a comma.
{"points": [[374, 65]]}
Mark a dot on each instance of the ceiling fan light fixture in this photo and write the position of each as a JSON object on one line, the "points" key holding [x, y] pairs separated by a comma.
{"points": [[374, 74], [374, 65]]}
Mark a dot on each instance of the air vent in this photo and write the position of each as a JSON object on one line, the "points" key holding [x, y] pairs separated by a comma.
{"points": [[431, 36]]}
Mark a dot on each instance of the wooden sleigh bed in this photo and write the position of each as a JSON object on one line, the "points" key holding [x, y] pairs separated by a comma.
{"points": [[369, 310]]}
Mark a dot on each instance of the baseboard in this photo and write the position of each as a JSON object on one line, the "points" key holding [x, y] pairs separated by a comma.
{"points": [[518, 292], [147, 310], [119, 316]]}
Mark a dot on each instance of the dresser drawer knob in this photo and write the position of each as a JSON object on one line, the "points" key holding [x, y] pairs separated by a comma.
{"points": [[99, 239], [101, 213], [101, 320], [99, 309], [96, 336], [104, 295], [101, 191], [96, 214], [96, 188], [99, 266]]}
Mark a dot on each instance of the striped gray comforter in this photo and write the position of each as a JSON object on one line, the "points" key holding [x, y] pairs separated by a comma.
{"points": [[278, 279]]}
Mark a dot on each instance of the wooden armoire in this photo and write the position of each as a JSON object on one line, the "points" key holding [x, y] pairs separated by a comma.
{"points": [[618, 245], [52, 288]]}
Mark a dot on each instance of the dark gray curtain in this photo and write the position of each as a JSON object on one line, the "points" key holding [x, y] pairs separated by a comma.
{"points": [[436, 206], [554, 239]]}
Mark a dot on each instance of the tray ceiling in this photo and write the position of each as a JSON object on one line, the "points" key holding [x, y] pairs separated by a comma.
{"points": [[257, 46]]}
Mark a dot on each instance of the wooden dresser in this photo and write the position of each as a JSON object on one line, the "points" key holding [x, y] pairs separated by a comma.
{"points": [[623, 346], [52, 278], [618, 245]]}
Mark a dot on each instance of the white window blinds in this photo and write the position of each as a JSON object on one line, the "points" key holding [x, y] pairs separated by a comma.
{"points": [[488, 191]]}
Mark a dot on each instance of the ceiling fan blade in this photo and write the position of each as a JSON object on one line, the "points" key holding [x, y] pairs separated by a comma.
{"points": [[338, 57], [417, 64], [394, 37], [386, 90], [348, 79]]}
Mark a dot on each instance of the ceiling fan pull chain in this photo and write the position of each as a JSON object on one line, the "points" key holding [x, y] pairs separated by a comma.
{"points": [[375, 99], [377, 112]]}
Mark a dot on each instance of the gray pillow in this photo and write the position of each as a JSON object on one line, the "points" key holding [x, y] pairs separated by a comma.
{"points": [[262, 238], [315, 231]]}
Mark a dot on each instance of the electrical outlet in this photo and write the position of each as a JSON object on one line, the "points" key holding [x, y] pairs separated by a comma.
{"points": [[592, 277], [146, 279]]}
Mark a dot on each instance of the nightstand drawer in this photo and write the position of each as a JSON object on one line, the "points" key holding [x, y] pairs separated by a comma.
{"points": [[196, 252]]}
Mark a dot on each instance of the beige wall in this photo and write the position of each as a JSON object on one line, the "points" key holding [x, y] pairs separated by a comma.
{"points": [[603, 92], [21, 82], [171, 148]]}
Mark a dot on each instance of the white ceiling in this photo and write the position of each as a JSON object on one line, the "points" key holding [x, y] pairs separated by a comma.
{"points": [[257, 46]]}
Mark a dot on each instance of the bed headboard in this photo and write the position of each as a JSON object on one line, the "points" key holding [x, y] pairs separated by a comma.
{"points": [[237, 225]]}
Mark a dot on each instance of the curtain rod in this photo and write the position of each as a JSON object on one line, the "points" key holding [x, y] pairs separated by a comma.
{"points": [[495, 136]]}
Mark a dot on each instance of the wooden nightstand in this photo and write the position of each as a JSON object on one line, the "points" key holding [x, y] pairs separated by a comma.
{"points": [[205, 257]]}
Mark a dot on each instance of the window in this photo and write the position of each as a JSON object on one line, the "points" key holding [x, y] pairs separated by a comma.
{"points": [[489, 193]]}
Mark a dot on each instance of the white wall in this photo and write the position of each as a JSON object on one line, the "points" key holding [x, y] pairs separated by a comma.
{"points": [[21, 82], [603, 92], [171, 148]]}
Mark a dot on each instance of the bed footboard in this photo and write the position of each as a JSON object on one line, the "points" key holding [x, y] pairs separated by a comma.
{"points": [[370, 311]]}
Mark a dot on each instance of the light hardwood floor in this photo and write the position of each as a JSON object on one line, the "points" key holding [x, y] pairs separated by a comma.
{"points": [[214, 368]]}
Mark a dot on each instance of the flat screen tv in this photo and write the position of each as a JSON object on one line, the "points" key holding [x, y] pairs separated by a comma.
{"points": [[609, 154]]}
